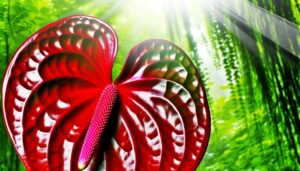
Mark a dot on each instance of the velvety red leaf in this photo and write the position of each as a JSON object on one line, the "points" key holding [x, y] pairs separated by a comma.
{"points": [[164, 106]]}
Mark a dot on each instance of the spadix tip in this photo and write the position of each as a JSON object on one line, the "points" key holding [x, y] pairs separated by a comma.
{"points": [[81, 165]]}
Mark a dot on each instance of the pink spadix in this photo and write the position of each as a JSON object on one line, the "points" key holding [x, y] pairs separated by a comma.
{"points": [[99, 120]]}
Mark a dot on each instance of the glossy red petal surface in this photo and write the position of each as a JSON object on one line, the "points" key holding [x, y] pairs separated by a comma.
{"points": [[164, 110], [51, 88], [52, 85]]}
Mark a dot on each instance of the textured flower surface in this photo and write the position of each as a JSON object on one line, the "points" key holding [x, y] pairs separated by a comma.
{"points": [[154, 116]]}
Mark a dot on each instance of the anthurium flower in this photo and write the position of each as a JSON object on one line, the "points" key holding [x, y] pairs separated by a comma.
{"points": [[63, 111]]}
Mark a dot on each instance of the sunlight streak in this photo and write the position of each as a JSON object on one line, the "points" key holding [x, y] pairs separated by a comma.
{"points": [[285, 35]]}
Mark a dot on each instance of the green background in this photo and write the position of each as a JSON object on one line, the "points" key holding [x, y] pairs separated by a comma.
{"points": [[253, 84]]}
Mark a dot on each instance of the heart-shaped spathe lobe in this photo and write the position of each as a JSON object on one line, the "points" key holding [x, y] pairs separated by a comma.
{"points": [[160, 120]]}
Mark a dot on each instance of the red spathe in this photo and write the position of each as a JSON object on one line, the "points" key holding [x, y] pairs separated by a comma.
{"points": [[161, 119]]}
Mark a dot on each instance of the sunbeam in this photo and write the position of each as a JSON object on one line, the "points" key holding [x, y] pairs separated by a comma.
{"points": [[286, 35]]}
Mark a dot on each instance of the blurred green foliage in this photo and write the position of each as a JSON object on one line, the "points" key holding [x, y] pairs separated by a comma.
{"points": [[255, 118]]}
